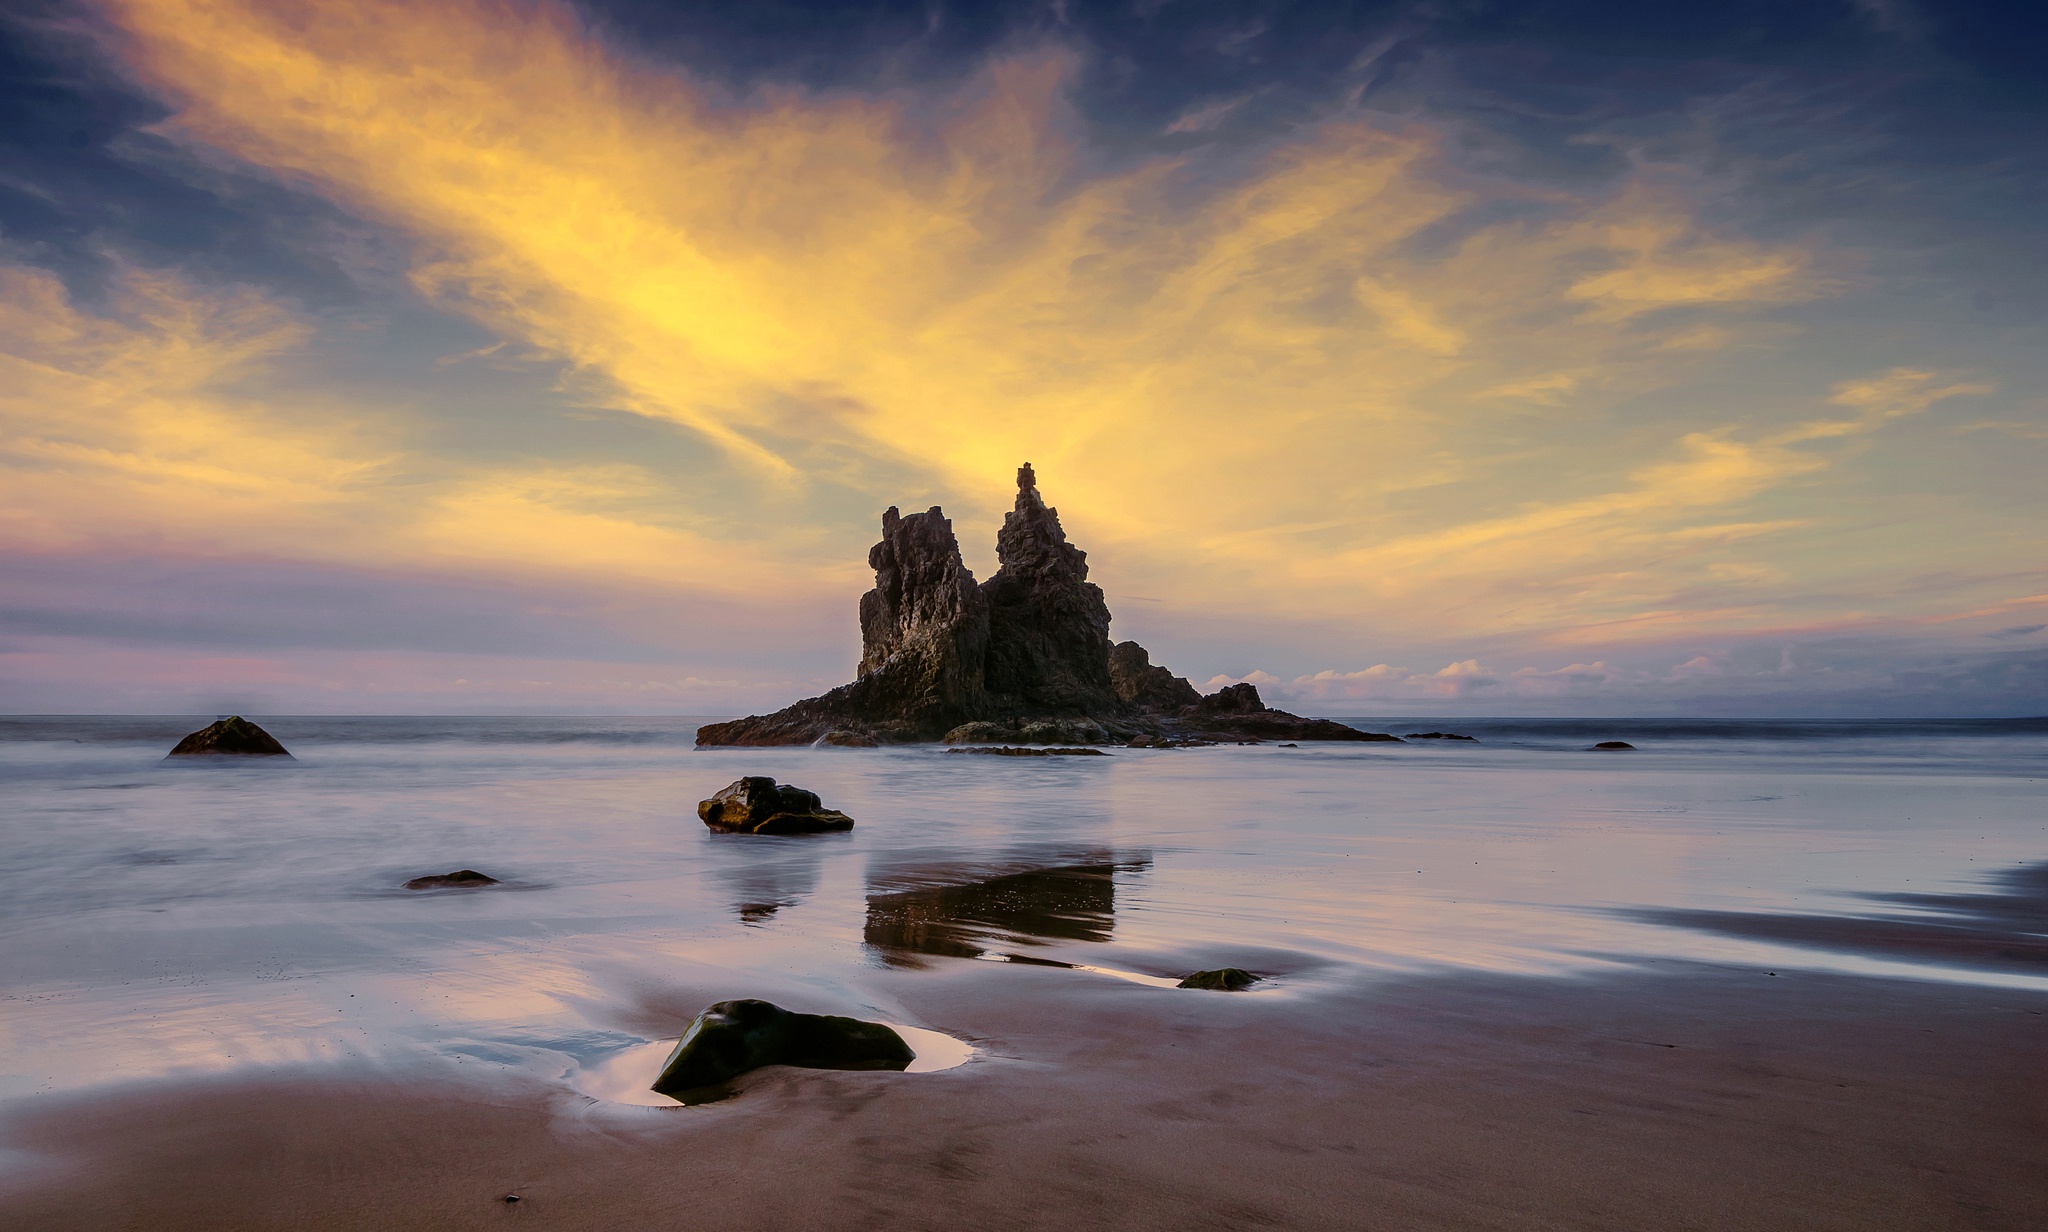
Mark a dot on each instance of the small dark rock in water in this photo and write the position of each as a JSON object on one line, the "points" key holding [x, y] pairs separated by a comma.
{"points": [[1614, 744], [1222, 979], [851, 740], [235, 736], [460, 879], [733, 1037], [758, 805], [1004, 750], [1439, 736]]}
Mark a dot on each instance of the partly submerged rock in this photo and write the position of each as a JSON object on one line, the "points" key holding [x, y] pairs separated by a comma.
{"points": [[1439, 736], [233, 736], [1614, 745], [460, 879], [1222, 979], [850, 739], [732, 1037], [1005, 750], [759, 805]]}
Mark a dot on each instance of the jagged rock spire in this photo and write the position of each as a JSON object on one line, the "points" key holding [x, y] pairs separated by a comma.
{"points": [[1048, 626], [924, 627]]}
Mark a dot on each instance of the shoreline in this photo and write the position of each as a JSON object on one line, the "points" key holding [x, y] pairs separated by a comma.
{"points": [[1682, 1096]]}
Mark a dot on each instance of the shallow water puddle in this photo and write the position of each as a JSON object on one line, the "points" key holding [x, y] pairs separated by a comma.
{"points": [[627, 1076]]}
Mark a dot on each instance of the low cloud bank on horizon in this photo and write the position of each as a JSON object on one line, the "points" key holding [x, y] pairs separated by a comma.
{"points": [[498, 355]]}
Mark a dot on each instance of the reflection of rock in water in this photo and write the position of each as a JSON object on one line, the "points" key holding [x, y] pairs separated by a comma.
{"points": [[1067, 902], [764, 881]]}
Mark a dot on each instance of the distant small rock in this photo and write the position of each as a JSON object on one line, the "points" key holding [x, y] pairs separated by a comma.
{"points": [[457, 880], [850, 740], [1222, 979], [1004, 750], [1287, 746], [759, 805], [234, 737], [733, 1037], [1439, 736], [1614, 744]]}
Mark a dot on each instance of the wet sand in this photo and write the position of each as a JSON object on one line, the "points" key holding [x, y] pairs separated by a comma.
{"points": [[1664, 1096]]}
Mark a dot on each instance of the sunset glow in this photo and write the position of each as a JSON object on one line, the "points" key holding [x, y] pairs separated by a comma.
{"points": [[1378, 403]]}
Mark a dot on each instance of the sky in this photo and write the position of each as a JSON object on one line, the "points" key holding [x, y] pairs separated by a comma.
{"points": [[1455, 356]]}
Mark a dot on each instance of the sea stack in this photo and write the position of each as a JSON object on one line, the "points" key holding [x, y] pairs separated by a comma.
{"points": [[1024, 657], [234, 736]]}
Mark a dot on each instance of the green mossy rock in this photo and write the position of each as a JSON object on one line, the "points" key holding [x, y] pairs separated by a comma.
{"points": [[1222, 979], [235, 736], [759, 805], [733, 1037]]}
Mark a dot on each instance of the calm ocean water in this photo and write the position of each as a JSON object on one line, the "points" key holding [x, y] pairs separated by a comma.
{"points": [[162, 918]]}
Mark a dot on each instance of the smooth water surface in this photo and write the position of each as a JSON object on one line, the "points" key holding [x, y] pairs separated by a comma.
{"points": [[166, 917]]}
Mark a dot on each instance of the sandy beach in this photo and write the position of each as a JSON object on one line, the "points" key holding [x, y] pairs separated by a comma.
{"points": [[1687, 1098]]}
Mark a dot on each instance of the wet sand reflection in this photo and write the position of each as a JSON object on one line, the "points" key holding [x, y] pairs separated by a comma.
{"points": [[2007, 928], [966, 911]]}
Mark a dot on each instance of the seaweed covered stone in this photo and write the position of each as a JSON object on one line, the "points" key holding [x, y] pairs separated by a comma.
{"points": [[234, 736], [732, 1037], [759, 805]]}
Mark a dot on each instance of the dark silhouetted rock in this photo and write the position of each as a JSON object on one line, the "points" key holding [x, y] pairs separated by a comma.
{"points": [[233, 737], [1236, 714], [461, 879], [1004, 750], [1024, 658], [1138, 682], [1048, 625], [1613, 745], [1439, 736], [1222, 979], [1231, 699], [733, 1037], [759, 805], [924, 644]]}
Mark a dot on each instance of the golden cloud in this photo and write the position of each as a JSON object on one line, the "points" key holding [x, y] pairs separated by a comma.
{"points": [[1260, 378]]}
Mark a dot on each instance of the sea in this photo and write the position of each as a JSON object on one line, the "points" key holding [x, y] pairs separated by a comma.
{"points": [[161, 919]]}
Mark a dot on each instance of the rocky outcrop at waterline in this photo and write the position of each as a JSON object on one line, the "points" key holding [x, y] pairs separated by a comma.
{"points": [[233, 736], [1023, 658]]}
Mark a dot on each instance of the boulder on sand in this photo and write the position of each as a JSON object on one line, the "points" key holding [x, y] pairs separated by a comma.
{"points": [[732, 1037], [234, 736], [759, 805]]}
